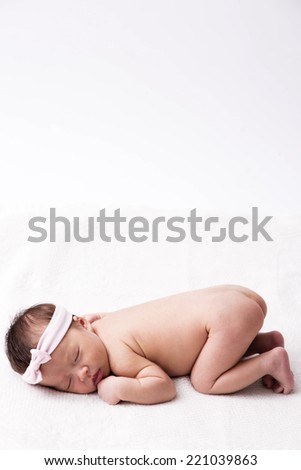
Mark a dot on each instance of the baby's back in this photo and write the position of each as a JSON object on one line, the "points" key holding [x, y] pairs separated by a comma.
{"points": [[169, 331]]}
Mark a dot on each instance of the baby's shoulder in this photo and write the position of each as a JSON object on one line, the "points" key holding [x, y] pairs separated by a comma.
{"points": [[126, 356], [125, 359]]}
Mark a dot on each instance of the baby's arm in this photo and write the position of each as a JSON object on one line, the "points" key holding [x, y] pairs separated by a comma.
{"points": [[151, 385]]}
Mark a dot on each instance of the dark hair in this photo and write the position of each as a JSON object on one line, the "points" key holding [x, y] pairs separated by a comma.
{"points": [[24, 333]]}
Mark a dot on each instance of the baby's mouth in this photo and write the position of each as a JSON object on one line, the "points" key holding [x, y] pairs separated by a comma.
{"points": [[96, 378]]}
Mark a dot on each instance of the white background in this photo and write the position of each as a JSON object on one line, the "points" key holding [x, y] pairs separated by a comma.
{"points": [[163, 103], [166, 104]]}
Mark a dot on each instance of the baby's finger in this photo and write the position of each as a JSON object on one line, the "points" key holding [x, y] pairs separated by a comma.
{"points": [[91, 317]]}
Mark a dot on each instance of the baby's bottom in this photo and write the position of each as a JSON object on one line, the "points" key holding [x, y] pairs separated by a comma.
{"points": [[223, 365]]}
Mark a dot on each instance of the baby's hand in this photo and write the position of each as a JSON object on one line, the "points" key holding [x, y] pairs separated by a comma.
{"points": [[92, 317], [107, 390]]}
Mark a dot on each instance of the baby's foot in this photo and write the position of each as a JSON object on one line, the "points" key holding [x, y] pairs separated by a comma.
{"points": [[281, 374], [268, 341]]}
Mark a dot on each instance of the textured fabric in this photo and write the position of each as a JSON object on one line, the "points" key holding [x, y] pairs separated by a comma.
{"points": [[98, 276]]}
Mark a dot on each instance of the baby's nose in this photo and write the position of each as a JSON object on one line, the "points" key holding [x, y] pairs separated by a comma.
{"points": [[82, 373]]}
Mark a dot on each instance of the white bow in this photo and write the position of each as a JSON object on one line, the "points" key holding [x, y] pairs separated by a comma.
{"points": [[50, 339], [33, 374]]}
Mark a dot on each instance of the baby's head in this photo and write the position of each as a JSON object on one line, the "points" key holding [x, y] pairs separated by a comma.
{"points": [[50, 346]]}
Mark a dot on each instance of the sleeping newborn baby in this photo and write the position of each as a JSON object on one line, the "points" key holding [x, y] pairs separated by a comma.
{"points": [[131, 354]]}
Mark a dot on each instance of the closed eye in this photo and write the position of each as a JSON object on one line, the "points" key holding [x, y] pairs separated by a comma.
{"points": [[76, 356], [69, 384]]}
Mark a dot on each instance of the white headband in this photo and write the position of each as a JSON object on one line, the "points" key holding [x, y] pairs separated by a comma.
{"points": [[50, 339]]}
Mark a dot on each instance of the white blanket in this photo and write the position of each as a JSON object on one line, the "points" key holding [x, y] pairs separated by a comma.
{"points": [[90, 277]]}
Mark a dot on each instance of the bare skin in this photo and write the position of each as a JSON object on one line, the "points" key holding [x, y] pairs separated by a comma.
{"points": [[264, 342], [211, 334]]}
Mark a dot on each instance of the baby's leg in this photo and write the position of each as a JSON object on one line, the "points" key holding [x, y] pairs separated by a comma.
{"points": [[264, 342], [219, 368]]}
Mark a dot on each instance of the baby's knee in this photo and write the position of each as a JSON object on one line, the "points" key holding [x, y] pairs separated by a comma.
{"points": [[200, 385]]}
